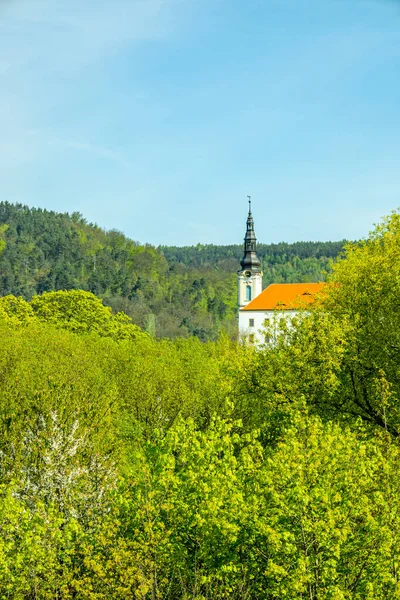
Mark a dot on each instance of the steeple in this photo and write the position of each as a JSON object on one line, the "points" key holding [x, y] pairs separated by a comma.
{"points": [[249, 275], [250, 259]]}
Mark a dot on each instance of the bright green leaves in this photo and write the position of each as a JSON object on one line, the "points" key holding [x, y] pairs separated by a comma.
{"points": [[365, 295], [31, 547], [137, 468], [188, 509], [209, 514], [82, 312], [75, 310], [3, 243], [329, 524], [16, 311], [342, 356], [43, 371]]}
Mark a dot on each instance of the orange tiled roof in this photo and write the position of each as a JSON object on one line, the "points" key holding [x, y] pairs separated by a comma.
{"points": [[285, 295]]}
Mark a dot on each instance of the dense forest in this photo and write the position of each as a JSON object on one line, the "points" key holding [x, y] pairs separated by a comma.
{"points": [[140, 468], [168, 291]]}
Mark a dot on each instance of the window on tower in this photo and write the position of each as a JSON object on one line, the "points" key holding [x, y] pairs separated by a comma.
{"points": [[251, 322], [248, 292]]}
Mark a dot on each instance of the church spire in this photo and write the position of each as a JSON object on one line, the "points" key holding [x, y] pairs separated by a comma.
{"points": [[250, 259]]}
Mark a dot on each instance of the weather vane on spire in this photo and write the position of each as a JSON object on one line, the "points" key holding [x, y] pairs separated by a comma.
{"points": [[249, 197]]}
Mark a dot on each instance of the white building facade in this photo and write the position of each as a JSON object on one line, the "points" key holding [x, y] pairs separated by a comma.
{"points": [[260, 312], [260, 327]]}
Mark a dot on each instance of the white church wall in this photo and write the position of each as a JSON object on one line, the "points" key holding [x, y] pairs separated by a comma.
{"points": [[253, 325], [255, 283]]}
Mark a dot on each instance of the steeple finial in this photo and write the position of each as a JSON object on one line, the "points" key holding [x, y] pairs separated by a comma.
{"points": [[249, 197]]}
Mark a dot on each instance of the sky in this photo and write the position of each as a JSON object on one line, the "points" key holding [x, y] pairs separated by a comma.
{"points": [[159, 117]]}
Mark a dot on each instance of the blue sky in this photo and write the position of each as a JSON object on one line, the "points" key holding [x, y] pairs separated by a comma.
{"points": [[158, 117]]}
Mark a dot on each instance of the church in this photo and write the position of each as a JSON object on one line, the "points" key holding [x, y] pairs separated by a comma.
{"points": [[258, 308]]}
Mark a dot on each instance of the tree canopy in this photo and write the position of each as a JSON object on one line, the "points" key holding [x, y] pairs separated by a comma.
{"points": [[134, 467], [170, 292]]}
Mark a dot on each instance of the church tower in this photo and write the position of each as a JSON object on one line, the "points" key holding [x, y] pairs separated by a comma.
{"points": [[249, 275]]}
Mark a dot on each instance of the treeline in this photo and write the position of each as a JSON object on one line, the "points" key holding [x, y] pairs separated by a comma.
{"points": [[169, 292], [210, 254], [137, 468]]}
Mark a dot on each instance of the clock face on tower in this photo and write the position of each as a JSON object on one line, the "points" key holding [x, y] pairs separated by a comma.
{"points": [[247, 274]]}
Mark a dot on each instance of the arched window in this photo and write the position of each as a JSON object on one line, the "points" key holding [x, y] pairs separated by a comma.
{"points": [[248, 292]]}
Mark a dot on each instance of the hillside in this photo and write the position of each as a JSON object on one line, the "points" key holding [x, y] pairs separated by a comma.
{"points": [[168, 291], [146, 469]]}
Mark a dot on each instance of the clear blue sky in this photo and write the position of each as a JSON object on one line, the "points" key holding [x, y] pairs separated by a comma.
{"points": [[158, 117]]}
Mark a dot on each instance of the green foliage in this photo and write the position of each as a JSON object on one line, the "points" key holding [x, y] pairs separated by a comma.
{"points": [[185, 508], [343, 358], [82, 312], [16, 310], [169, 292], [134, 467], [211, 515], [364, 295], [44, 371]]}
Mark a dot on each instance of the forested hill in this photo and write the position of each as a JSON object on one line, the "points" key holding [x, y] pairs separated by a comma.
{"points": [[302, 260], [209, 254], [169, 291], [146, 469]]}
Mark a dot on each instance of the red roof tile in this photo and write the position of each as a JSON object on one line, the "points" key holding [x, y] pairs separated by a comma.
{"points": [[287, 296]]}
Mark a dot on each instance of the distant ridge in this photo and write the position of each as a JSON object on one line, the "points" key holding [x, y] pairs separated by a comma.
{"points": [[169, 291]]}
